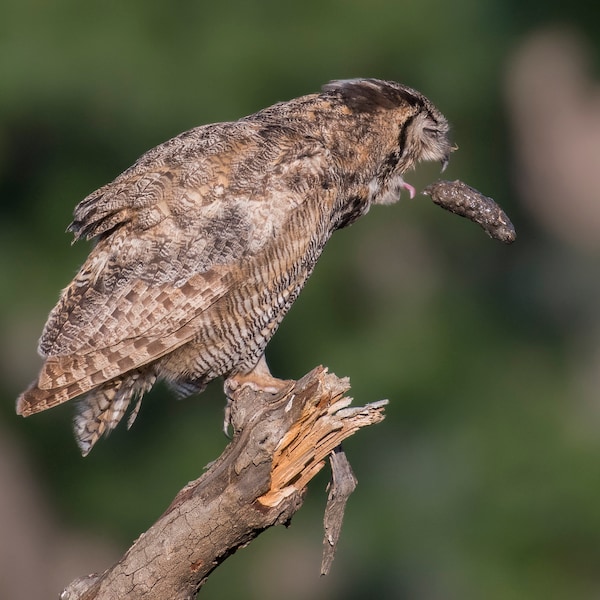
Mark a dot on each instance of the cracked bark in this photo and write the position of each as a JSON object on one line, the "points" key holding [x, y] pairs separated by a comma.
{"points": [[279, 444]]}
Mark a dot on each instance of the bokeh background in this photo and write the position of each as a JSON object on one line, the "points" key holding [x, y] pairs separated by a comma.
{"points": [[484, 480]]}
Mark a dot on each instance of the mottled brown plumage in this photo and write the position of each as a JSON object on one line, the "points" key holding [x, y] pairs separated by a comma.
{"points": [[206, 241]]}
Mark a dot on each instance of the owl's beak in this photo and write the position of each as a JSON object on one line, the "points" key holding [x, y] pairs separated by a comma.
{"points": [[446, 158]]}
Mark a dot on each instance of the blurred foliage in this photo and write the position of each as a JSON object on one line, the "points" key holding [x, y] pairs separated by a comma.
{"points": [[483, 480]]}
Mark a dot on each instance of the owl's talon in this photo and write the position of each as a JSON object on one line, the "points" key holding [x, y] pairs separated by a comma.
{"points": [[227, 418]]}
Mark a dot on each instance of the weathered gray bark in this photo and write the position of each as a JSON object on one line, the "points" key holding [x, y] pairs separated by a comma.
{"points": [[259, 481]]}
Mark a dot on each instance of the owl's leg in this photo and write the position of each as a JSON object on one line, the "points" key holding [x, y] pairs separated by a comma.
{"points": [[258, 379]]}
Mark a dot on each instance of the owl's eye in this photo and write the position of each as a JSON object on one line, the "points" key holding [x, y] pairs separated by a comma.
{"points": [[433, 132]]}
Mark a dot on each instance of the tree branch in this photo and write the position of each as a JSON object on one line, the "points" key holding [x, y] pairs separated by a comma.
{"points": [[279, 445]]}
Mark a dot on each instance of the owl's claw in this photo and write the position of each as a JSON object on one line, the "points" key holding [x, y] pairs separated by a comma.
{"points": [[227, 418]]}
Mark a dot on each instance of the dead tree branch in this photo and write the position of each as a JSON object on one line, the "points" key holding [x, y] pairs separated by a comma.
{"points": [[279, 445]]}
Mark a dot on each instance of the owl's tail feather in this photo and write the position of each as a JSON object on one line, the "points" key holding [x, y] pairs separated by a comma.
{"points": [[100, 410]]}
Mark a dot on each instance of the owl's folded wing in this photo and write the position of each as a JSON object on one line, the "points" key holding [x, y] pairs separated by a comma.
{"points": [[169, 248]]}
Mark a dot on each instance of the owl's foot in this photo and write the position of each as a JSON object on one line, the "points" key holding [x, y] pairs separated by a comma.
{"points": [[259, 379]]}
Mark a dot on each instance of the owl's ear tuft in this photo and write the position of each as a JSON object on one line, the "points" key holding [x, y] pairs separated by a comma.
{"points": [[372, 95]]}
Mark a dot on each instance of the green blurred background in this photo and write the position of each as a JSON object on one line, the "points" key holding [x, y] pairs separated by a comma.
{"points": [[483, 481]]}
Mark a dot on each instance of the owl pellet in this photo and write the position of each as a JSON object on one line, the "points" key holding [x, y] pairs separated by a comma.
{"points": [[465, 201]]}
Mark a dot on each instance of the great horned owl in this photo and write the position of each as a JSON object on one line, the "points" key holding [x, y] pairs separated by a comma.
{"points": [[205, 242]]}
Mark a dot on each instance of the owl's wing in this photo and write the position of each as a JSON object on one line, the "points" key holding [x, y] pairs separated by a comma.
{"points": [[147, 264], [172, 241]]}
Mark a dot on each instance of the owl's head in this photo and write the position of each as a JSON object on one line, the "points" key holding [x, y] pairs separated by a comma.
{"points": [[410, 128]]}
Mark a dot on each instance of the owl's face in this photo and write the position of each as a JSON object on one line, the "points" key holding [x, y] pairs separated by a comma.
{"points": [[425, 138], [406, 128]]}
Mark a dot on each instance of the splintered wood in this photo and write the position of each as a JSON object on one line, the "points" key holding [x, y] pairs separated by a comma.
{"points": [[465, 201], [325, 421], [343, 483]]}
